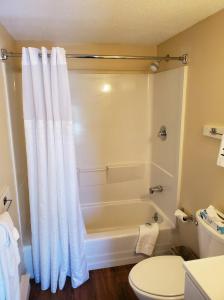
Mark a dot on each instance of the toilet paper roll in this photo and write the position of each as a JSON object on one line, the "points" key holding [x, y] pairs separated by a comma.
{"points": [[180, 215]]}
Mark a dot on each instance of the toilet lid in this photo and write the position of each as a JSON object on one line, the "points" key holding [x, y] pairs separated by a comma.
{"points": [[159, 275]]}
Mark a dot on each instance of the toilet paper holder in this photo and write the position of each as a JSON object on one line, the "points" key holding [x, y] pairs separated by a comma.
{"points": [[189, 218]]}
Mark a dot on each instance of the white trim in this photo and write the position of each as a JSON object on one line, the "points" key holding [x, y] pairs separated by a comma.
{"points": [[182, 127], [25, 287]]}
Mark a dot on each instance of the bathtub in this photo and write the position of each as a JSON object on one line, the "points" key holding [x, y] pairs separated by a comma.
{"points": [[112, 231]]}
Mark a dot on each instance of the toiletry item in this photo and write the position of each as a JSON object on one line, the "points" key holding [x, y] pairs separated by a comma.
{"points": [[212, 218]]}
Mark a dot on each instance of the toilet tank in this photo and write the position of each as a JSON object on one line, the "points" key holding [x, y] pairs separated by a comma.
{"points": [[211, 243]]}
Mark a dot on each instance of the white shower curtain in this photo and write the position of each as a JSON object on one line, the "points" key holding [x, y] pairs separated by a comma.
{"points": [[56, 220]]}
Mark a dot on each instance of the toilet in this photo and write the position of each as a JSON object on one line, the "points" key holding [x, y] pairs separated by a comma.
{"points": [[162, 277]]}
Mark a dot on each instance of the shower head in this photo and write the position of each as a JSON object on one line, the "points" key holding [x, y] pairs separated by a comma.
{"points": [[154, 67]]}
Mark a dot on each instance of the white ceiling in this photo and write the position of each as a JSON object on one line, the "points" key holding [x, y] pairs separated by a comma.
{"points": [[103, 21]]}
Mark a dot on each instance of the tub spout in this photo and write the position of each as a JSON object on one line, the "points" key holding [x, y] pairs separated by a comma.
{"points": [[156, 217], [157, 189]]}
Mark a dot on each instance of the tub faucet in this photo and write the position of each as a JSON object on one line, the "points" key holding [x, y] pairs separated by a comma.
{"points": [[157, 189], [156, 217]]}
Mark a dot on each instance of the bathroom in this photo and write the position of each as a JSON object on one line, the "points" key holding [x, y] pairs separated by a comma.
{"points": [[143, 86]]}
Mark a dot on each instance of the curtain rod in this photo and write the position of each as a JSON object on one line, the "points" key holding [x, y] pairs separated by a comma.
{"points": [[183, 58]]}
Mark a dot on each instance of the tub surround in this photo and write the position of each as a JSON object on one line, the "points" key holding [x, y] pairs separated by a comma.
{"points": [[112, 129], [169, 91], [120, 156]]}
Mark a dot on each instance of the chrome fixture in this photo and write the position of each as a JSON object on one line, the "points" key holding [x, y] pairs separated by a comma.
{"points": [[162, 134], [214, 131], [154, 67], [156, 189], [7, 202], [5, 54], [156, 217], [148, 224], [190, 218]]}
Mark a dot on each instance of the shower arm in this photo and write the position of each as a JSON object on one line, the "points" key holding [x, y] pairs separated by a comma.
{"points": [[5, 54]]}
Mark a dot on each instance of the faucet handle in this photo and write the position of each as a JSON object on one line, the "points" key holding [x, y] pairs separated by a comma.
{"points": [[156, 188]]}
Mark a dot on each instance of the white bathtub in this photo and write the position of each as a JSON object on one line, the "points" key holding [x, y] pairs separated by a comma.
{"points": [[112, 231]]}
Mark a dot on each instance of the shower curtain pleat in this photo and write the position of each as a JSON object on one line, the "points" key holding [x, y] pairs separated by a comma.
{"points": [[58, 247]]}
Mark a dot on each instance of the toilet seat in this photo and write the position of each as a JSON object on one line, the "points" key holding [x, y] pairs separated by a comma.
{"points": [[159, 277]]}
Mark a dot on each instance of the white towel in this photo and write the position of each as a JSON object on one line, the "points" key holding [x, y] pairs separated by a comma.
{"points": [[220, 160], [9, 259], [147, 238]]}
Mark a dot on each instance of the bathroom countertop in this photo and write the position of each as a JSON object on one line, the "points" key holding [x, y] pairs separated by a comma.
{"points": [[208, 274]]}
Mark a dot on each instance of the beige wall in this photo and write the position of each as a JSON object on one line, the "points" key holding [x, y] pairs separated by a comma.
{"points": [[203, 180], [12, 153], [14, 100], [7, 176]]}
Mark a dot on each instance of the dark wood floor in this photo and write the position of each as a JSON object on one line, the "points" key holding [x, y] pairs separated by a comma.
{"points": [[104, 284]]}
